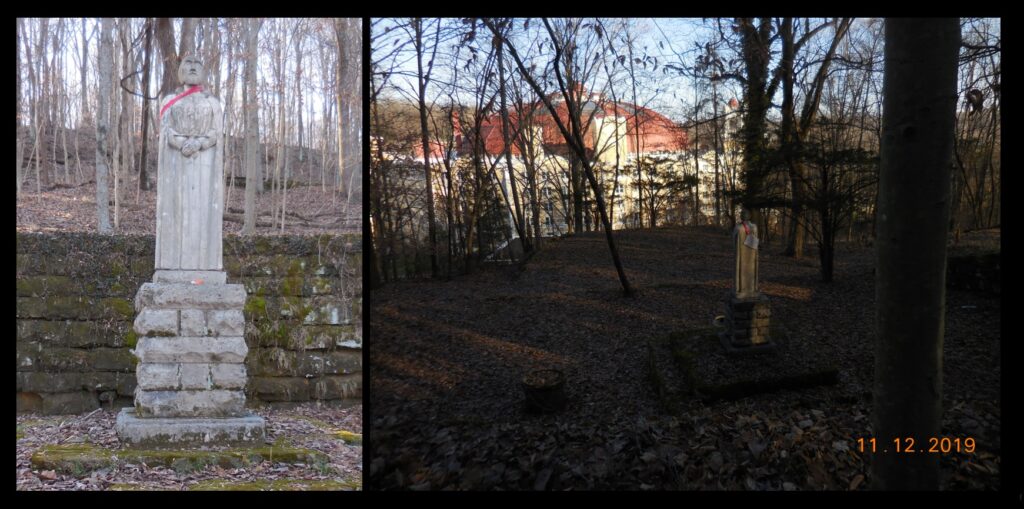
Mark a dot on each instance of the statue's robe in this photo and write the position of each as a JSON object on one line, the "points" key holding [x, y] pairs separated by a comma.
{"points": [[746, 260], [190, 194]]}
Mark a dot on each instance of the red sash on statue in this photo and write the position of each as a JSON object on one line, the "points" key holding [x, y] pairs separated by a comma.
{"points": [[750, 240], [176, 98]]}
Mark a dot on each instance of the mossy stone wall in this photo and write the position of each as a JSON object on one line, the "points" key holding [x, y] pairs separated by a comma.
{"points": [[75, 295]]}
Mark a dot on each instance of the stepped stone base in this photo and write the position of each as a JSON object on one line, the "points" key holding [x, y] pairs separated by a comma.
{"points": [[747, 322], [191, 373], [181, 431]]}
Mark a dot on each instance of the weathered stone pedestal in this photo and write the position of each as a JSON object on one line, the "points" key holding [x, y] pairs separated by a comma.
{"points": [[747, 321], [191, 372]]}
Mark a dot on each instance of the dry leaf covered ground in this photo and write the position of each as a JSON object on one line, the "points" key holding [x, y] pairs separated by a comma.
{"points": [[66, 197], [446, 361], [309, 211], [306, 426]]}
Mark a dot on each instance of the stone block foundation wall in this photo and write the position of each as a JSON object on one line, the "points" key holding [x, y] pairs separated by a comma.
{"points": [[75, 310]]}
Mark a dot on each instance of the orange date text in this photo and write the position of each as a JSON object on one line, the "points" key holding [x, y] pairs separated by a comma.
{"points": [[941, 445]]}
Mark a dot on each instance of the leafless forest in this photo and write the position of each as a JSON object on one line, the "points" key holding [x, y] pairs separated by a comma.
{"points": [[783, 115], [87, 95]]}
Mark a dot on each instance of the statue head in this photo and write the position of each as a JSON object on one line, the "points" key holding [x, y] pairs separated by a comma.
{"points": [[191, 72]]}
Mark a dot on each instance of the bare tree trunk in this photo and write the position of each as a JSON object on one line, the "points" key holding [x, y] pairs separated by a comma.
{"points": [[116, 173], [281, 98], [328, 107], [298, 92], [756, 43], [993, 189], [323, 157], [350, 107], [342, 67], [164, 31], [229, 145], [449, 206], [287, 165], [27, 35], [284, 189], [576, 181], [64, 145], [19, 34], [251, 107], [83, 68], [20, 143], [211, 55], [348, 33], [143, 177], [20, 168], [33, 106], [696, 164], [43, 71], [531, 179], [187, 45], [917, 143], [122, 135], [506, 140], [37, 141], [40, 98], [105, 72], [636, 133], [795, 244], [422, 79], [718, 146], [79, 176]]}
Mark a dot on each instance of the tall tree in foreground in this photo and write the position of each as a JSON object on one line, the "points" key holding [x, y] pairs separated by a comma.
{"points": [[106, 70], [913, 215]]}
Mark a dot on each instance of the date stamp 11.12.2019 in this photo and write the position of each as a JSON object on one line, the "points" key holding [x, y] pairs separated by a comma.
{"points": [[935, 445]]}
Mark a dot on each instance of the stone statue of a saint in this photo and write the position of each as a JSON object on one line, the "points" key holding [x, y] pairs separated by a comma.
{"points": [[191, 375], [190, 197], [745, 237]]}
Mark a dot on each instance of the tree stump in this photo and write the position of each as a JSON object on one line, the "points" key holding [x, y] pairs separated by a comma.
{"points": [[544, 390]]}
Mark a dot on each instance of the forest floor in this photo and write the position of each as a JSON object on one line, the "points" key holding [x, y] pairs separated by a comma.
{"points": [[66, 197], [306, 426], [447, 359]]}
